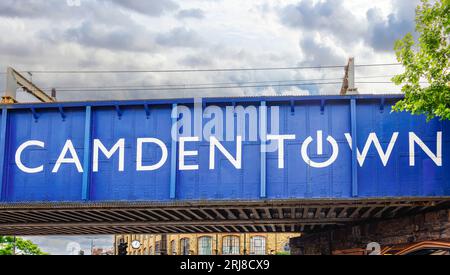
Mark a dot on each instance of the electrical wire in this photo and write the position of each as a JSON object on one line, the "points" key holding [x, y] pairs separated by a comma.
{"points": [[294, 82], [204, 70], [200, 84], [200, 87]]}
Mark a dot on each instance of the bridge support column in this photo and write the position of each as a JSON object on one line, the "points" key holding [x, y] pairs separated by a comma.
{"points": [[430, 226]]}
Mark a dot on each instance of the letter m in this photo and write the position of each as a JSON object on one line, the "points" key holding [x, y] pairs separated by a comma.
{"points": [[98, 146]]}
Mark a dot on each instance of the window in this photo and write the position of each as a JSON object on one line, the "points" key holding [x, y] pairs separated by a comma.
{"points": [[158, 248], [184, 244], [258, 245], [173, 248], [230, 245], [205, 246]]}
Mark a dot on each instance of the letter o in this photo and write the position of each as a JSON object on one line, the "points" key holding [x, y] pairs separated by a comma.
{"points": [[325, 164]]}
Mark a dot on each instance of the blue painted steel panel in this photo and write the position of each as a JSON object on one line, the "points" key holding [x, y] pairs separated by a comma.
{"points": [[354, 163], [54, 131], [297, 180], [173, 161], [3, 148], [85, 192]]}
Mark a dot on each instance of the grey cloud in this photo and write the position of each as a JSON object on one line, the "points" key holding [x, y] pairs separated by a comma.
{"points": [[103, 10], [180, 37], [383, 32], [199, 60], [329, 16], [125, 38], [148, 7], [319, 53], [191, 13], [31, 8]]}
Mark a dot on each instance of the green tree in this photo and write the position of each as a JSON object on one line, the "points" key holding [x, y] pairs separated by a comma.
{"points": [[23, 247], [426, 79]]}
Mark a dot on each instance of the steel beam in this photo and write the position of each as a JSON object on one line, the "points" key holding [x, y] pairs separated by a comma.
{"points": [[3, 152], [87, 154]]}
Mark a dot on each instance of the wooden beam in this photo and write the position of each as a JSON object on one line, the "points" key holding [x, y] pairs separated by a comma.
{"points": [[203, 211], [191, 212], [115, 213], [218, 214], [318, 213], [146, 215], [267, 212], [154, 213], [242, 214], [255, 213], [167, 213], [343, 213], [280, 213], [293, 212], [185, 217], [355, 213], [305, 213], [380, 212], [368, 212], [230, 214]]}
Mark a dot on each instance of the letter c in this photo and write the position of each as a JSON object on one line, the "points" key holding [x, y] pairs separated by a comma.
{"points": [[19, 154]]}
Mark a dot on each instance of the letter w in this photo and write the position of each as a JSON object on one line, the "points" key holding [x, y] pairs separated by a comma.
{"points": [[373, 139]]}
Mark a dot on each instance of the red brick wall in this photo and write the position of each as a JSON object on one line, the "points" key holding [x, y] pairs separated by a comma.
{"points": [[422, 227]]}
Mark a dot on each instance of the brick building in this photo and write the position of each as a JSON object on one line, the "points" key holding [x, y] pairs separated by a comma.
{"points": [[210, 244]]}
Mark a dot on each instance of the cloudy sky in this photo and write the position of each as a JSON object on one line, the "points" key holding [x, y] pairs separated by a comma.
{"points": [[42, 35], [173, 34]]}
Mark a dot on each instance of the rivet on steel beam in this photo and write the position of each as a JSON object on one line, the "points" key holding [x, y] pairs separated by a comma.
{"points": [[147, 110], [63, 115]]}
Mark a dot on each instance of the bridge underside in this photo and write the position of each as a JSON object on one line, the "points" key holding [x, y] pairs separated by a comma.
{"points": [[203, 217]]}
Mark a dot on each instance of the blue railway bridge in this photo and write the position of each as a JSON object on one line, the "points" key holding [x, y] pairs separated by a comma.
{"points": [[242, 164]]}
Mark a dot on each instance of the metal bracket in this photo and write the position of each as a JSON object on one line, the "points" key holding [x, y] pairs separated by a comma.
{"points": [[119, 112], [35, 114], [147, 110], [292, 107], [322, 106], [382, 105], [63, 115]]}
